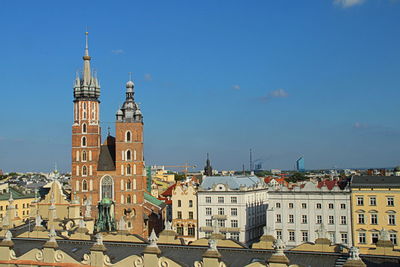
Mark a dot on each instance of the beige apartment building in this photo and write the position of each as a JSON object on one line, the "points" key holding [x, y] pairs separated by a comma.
{"points": [[184, 211]]}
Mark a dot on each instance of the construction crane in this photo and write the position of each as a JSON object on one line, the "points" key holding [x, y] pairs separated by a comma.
{"points": [[184, 167]]}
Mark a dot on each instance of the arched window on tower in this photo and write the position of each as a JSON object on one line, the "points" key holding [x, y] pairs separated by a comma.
{"points": [[84, 141], [128, 185], [83, 155], [84, 128], [128, 155], [128, 199], [128, 136], [84, 185], [128, 169], [107, 187], [84, 171]]}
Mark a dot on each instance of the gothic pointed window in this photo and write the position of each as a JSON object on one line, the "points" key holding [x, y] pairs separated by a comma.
{"points": [[107, 187], [83, 155], [128, 169], [128, 155], [84, 141], [128, 136], [84, 185], [84, 128], [128, 185], [128, 199], [84, 171]]}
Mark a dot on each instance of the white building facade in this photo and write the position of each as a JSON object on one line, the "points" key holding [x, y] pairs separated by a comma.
{"points": [[234, 206], [294, 215]]}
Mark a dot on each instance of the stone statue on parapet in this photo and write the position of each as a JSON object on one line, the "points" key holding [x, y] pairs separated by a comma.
{"points": [[384, 235], [321, 232], [354, 253]]}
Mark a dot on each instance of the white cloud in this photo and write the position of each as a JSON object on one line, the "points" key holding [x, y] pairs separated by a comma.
{"points": [[278, 93], [117, 51], [148, 77], [348, 3], [236, 87]]}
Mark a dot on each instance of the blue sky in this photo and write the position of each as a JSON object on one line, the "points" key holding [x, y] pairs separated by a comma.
{"points": [[286, 78]]}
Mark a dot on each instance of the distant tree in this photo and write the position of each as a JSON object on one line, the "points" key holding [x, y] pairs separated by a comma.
{"points": [[262, 173], [296, 177]]}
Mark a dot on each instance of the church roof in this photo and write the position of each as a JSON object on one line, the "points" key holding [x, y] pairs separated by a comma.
{"points": [[106, 158], [234, 182]]}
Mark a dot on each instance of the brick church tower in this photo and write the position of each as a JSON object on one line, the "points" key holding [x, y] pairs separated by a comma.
{"points": [[112, 171]]}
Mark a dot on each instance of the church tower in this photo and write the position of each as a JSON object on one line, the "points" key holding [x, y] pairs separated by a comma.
{"points": [[129, 162], [86, 133], [109, 178]]}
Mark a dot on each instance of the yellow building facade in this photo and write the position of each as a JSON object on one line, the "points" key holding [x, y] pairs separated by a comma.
{"points": [[375, 202], [184, 211], [21, 202]]}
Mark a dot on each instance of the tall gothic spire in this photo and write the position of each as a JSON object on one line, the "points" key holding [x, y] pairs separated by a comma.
{"points": [[87, 86], [86, 62]]}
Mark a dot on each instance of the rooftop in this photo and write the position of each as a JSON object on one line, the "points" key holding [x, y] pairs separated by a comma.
{"points": [[375, 181]]}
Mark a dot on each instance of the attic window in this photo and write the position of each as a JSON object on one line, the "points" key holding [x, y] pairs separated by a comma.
{"points": [[220, 188]]}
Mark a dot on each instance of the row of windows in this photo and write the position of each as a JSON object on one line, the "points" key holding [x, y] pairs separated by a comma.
{"points": [[24, 213], [85, 171], [233, 236], [304, 219], [128, 185], [373, 202], [221, 211], [222, 200], [391, 219], [190, 215], [127, 155], [127, 169], [84, 156], [222, 223], [318, 205], [305, 236], [190, 203], [362, 238], [24, 206], [190, 230], [129, 199], [85, 185], [128, 134], [84, 116]]}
